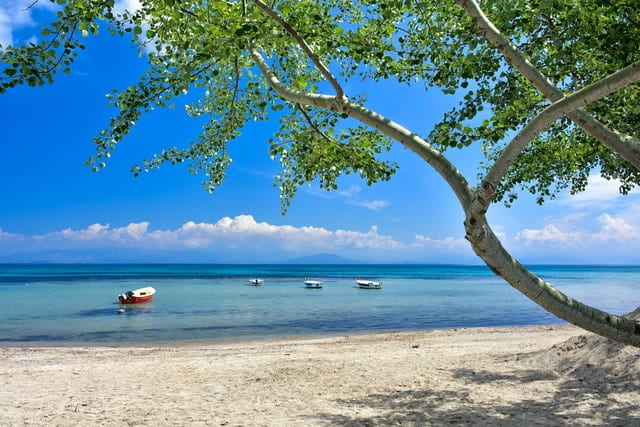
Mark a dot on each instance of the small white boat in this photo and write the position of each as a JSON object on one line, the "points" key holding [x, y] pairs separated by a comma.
{"points": [[369, 284], [312, 284], [256, 282]]}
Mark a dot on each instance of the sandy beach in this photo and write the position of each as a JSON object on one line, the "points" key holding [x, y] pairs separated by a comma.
{"points": [[543, 375]]}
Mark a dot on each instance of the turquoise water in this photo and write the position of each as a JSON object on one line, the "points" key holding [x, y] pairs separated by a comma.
{"points": [[77, 304]]}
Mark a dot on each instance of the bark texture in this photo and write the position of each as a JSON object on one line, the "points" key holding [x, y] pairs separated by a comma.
{"points": [[488, 247]]}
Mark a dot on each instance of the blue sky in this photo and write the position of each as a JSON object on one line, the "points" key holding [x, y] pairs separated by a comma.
{"points": [[54, 209]]}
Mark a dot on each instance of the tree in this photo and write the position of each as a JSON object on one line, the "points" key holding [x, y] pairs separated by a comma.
{"points": [[549, 96]]}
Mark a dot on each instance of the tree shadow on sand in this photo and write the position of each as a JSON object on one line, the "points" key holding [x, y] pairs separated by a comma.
{"points": [[598, 384]]}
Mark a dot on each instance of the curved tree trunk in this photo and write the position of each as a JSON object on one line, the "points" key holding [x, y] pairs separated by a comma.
{"points": [[476, 202], [483, 241], [487, 246]]}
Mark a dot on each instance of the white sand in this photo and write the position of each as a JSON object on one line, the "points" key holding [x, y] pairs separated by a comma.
{"points": [[488, 376]]}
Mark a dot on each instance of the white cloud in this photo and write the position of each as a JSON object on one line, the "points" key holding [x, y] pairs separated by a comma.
{"points": [[100, 233], [17, 15], [549, 234], [599, 193], [243, 238], [595, 223], [236, 239], [606, 230], [370, 240], [349, 196], [14, 15], [130, 5], [448, 243], [352, 197], [4, 236], [242, 231], [616, 230]]}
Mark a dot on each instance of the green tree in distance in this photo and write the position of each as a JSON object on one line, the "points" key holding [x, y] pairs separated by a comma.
{"points": [[548, 90]]}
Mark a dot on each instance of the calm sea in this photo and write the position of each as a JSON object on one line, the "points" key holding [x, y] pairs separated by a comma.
{"points": [[77, 304]]}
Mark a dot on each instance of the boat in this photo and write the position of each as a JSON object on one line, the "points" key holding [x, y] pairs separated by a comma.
{"points": [[256, 282], [312, 284], [137, 296], [369, 284]]}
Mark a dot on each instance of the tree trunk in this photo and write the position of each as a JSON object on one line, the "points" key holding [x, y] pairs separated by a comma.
{"points": [[483, 241], [487, 246]]}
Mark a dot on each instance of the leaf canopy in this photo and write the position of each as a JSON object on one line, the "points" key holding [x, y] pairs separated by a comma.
{"points": [[202, 47]]}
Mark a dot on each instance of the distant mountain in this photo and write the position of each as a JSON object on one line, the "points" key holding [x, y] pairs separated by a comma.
{"points": [[323, 259]]}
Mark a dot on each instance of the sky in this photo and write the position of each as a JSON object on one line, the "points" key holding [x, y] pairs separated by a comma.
{"points": [[55, 209]]}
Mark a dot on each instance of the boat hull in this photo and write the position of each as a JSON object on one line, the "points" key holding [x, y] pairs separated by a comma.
{"points": [[133, 300], [137, 296], [369, 284], [312, 284]]}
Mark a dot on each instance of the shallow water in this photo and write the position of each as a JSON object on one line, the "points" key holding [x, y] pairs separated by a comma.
{"points": [[77, 304]]}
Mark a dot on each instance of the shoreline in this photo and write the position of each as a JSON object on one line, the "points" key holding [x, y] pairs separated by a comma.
{"points": [[470, 376], [253, 339]]}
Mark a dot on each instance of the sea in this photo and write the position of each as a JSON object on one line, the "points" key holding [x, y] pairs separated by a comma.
{"points": [[76, 304]]}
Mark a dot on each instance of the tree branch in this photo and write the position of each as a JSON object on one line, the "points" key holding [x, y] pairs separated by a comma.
{"points": [[304, 46], [395, 131], [581, 98], [313, 125], [626, 146]]}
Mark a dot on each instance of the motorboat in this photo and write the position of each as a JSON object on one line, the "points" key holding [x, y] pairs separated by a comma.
{"points": [[368, 284], [256, 282], [137, 296], [312, 284]]}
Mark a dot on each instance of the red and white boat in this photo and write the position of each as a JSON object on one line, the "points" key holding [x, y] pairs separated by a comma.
{"points": [[137, 296]]}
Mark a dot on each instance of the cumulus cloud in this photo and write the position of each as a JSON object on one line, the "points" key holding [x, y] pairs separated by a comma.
{"points": [[99, 233], [607, 230], [616, 230], [598, 220], [549, 234], [369, 240], [230, 239], [242, 238], [14, 15], [242, 231], [599, 193]]}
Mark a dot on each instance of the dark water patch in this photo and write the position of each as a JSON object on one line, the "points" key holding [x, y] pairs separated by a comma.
{"points": [[97, 312]]}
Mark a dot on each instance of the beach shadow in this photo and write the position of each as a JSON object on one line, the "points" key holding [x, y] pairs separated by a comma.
{"points": [[433, 407], [586, 393], [522, 376]]}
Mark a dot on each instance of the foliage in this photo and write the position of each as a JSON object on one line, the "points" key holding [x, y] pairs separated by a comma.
{"points": [[202, 47], [574, 43]]}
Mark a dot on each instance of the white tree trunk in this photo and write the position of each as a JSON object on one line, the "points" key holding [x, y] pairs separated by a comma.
{"points": [[487, 246], [475, 204]]}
